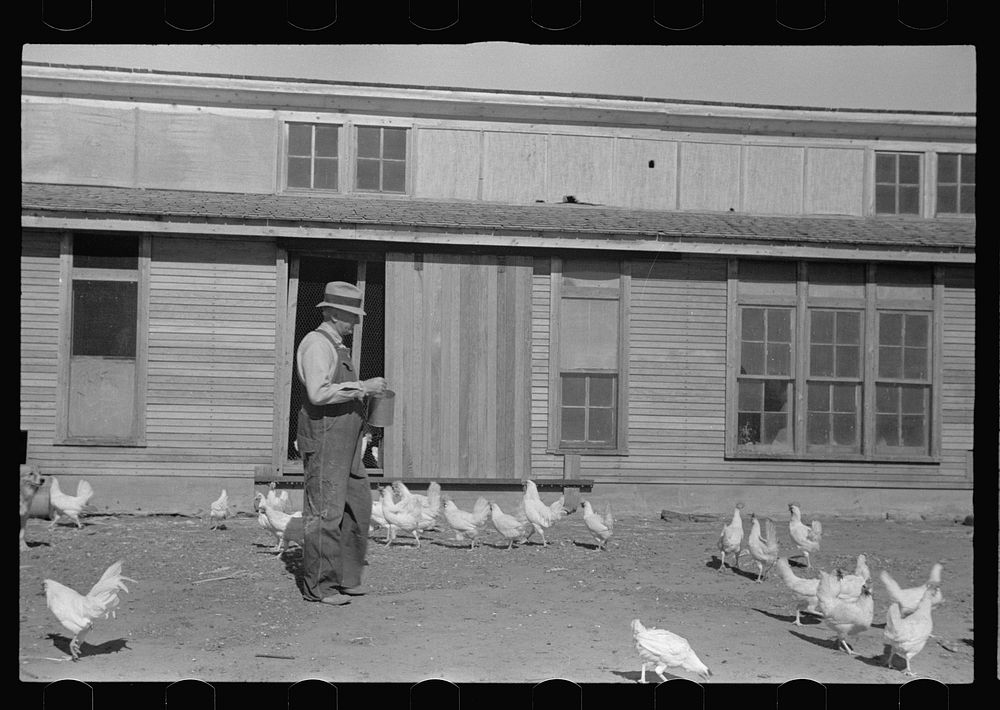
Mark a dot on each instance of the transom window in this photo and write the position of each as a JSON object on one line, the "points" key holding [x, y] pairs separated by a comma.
{"points": [[381, 162], [313, 156], [805, 383], [956, 183], [897, 183]]}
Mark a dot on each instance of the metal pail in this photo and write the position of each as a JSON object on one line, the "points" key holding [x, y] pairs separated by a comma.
{"points": [[380, 409]]}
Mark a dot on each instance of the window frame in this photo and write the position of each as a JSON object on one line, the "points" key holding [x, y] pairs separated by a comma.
{"points": [[137, 437], [557, 291], [286, 155], [408, 134], [921, 184], [958, 186], [871, 307]]}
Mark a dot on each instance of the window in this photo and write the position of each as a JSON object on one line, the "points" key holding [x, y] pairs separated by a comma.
{"points": [[897, 183], [313, 156], [956, 183], [381, 159], [806, 385], [587, 399], [102, 351]]}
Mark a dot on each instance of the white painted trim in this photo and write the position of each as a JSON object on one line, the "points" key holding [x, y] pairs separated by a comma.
{"points": [[512, 239]]}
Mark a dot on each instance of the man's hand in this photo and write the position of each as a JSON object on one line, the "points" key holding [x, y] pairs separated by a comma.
{"points": [[374, 386]]}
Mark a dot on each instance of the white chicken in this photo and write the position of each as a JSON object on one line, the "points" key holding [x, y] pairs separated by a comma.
{"points": [[731, 539], [274, 521], [378, 518], [803, 589], [908, 599], [907, 635], [467, 524], [78, 612], [219, 510], [68, 506], [429, 505], [846, 618], [512, 527], [406, 515], [600, 526], [540, 515], [764, 549], [666, 650], [806, 537], [861, 569], [278, 501]]}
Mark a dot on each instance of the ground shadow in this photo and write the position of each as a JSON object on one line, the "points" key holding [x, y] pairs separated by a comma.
{"points": [[878, 661], [967, 642], [806, 618], [712, 564], [822, 643], [38, 543], [587, 545], [88, 649], [651, 677]]}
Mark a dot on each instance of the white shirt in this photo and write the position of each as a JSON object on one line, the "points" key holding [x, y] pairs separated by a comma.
{"points": [[316, 361]]}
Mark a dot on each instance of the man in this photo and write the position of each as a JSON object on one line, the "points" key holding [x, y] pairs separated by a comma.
{"points": [[338, 502]]}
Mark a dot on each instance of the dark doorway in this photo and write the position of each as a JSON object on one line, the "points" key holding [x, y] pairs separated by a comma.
{"points": [[314, 274]]}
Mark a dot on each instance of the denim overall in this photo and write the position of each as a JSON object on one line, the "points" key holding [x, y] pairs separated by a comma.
{"points": [[337, 501]]}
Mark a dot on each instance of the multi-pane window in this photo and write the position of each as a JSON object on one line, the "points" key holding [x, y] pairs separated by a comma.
{"points": [[897, 183], [956, 183], [833, 402], [381, 159], [588, 356], [102, 367], [313, 156], [807, 385], [765, 383], [903, 384]]}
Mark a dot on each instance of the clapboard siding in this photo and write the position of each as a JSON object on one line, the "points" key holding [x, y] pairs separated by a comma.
{"points": [[39, 336], [677, 390]]}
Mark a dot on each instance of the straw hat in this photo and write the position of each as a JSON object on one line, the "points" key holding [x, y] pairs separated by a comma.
{"points": [[342, 296]]}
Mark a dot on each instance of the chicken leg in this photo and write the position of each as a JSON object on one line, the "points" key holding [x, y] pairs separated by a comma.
{"points": [[642, 678], [659, 671], [77, 641]]}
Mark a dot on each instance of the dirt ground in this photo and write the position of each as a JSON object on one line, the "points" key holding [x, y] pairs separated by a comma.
{"points": [[220, 606]]}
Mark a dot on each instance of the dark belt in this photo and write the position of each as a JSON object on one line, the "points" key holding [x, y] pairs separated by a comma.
{"points": [[318, 411]]}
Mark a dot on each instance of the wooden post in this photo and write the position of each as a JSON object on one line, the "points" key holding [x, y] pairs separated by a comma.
{"points": [[571, 470]]}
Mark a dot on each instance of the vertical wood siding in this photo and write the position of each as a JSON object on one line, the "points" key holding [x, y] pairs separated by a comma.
{"points": [[639, 185], [78, 144], [448, 164], [210, 392], [581, 166], [710, 177], [513, 167], [204, 151], [460, 375], [772, 180], [835, 181]]}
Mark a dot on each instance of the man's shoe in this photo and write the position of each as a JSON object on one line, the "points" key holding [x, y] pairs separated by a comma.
{"points": [[336, 599], [355, 591]]}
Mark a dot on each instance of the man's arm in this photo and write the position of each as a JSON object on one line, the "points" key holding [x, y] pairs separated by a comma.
{"points": [[314, 358]]}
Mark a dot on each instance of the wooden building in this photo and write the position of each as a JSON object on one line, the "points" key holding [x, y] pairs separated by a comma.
{"points": [[671, 298]]}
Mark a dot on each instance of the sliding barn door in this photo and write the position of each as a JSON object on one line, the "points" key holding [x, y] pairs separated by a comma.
{"points": [[458, 356]]}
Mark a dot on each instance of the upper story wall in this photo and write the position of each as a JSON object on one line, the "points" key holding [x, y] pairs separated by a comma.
{"points": [[769, 168]]}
